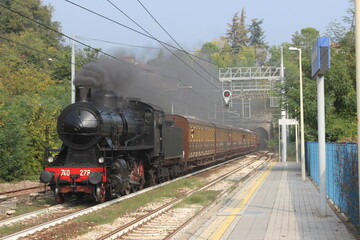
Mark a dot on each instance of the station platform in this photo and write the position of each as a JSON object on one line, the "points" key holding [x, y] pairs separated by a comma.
{"points": [[273, 204]]}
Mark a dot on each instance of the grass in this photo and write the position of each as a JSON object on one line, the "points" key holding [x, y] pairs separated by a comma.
{"points": [[39, 204], [109, 214], [202, 198], [6, 230]]}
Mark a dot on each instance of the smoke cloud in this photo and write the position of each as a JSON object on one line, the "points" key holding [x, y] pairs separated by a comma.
{"points": [[179, 87]]}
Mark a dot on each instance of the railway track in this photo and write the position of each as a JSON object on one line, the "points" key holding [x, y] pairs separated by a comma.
{"points": [[151, 217], [41, 188], [165, 221]]}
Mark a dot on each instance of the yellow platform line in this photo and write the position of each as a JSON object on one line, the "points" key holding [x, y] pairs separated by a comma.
{"points": [[230, 218]]}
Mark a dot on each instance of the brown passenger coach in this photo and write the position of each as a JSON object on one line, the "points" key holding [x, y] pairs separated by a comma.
{"points": [[205, 142]]}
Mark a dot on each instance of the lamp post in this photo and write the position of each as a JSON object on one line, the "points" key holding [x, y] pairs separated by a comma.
{"points": [[301, 116]]}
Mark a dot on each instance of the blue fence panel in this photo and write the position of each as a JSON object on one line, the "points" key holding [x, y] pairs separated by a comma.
{"points": [[341, 175]]}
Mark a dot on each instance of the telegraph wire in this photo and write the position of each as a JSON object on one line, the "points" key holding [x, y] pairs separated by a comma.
{"points": [[86, 45], [116, 43], [125, 44], [171, 36], [109, 19], [33, 49], [118, 23], [165, 46], [148, 36], [75, 40], [62, 60], [174, 39]]}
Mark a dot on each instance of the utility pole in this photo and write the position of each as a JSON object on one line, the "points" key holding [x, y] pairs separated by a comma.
{"points": [[283, 111], [357, 51], [73, 70]]}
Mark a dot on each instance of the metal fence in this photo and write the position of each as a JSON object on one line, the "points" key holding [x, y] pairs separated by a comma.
{"points": [[341, 175]]}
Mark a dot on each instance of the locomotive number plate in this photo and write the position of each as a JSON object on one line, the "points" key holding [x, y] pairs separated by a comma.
{"points": [[65, 172], [83, 172]]}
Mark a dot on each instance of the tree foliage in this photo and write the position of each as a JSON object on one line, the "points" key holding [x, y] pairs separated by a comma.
{"points": [[34, 85], [242, 45], [340, 88], [35, 74], [237, 34], [257, 34]]}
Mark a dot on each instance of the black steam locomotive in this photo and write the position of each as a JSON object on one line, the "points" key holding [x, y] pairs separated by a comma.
{"points": [[113, 146]]}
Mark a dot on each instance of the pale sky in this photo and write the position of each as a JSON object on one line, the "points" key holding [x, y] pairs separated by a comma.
{"points": [[192, 22]]}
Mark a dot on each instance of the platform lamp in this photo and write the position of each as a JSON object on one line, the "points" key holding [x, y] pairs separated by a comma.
{"points": [[303, 176]]}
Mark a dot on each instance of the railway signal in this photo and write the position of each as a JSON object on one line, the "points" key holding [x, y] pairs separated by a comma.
{"points": [[227, 97]]}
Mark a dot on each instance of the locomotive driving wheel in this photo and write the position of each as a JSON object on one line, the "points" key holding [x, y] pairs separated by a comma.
{"points": [[152, 177], [101, 193]]}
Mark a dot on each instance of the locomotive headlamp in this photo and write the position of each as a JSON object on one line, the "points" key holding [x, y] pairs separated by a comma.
{"points": [[101, 160], [50, 159]]}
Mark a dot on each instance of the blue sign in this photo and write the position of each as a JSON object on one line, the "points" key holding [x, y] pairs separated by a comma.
{"points": [[320, 57]]}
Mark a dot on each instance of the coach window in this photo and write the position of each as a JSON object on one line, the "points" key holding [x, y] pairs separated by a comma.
{"points": [[192, 132]]}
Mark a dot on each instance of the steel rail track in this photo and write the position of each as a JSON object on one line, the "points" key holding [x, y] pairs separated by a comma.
{"points": [[157, 212], [18, 192], [57, 221], [199, 213], [39, 212]]}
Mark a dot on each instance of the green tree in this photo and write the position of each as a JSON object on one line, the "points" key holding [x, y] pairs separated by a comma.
{"points": [[305, 39], [257, 40], [340, 93], [13, 23], [236, 35], [257, 34], [208, 49], [27, 77]]}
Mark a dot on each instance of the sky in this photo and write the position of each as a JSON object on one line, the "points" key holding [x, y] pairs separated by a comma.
{"points": [[190, 22]]}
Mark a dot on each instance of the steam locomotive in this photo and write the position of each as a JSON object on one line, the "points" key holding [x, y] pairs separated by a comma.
{"points": [[113, 146]]}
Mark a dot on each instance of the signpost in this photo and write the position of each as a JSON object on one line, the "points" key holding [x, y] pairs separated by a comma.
{"points": [[320, 64]]}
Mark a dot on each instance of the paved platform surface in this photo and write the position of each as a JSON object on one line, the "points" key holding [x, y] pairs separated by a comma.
{"points": [[274, 204]]}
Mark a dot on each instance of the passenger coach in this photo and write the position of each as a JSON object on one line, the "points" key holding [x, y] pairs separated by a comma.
{"points": [[204, 142]]}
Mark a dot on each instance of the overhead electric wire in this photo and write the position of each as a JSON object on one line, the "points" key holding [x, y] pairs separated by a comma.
{"points": [[116, 43], [145, 35], [62, 60], [165, 46], [118, 23], [173, 39], [86, 45], [132, 29], [161, 42], [33, 49]]}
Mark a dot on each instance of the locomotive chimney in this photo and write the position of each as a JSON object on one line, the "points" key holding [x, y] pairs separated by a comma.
{"points": [[83, 94]]}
